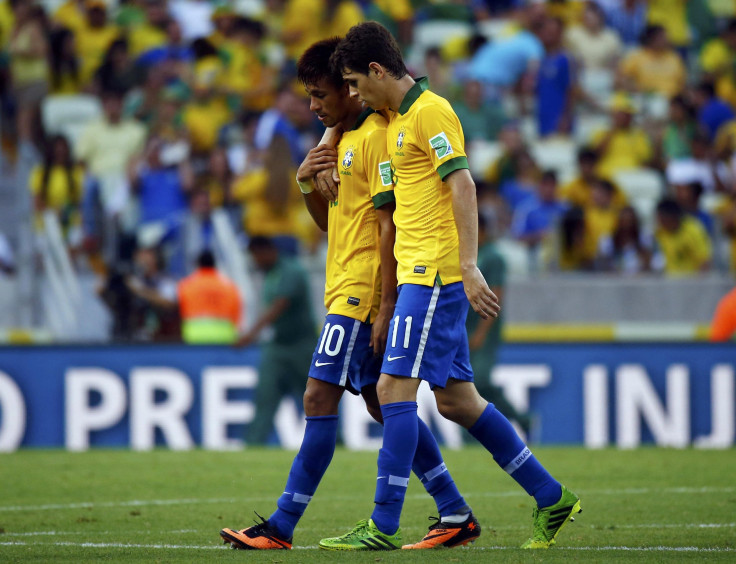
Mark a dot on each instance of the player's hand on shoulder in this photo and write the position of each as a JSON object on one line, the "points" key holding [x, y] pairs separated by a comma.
{"points": [[319, 159], [481, 297]]}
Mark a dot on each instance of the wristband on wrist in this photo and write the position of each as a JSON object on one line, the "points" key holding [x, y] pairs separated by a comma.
{"points": [[305, 187]]}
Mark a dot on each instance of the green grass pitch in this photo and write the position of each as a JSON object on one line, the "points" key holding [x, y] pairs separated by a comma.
{"points": [[647, 505]]}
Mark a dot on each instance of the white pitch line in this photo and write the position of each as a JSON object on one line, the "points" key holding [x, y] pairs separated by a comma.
{"points": [[696, 549], [198, 501]]}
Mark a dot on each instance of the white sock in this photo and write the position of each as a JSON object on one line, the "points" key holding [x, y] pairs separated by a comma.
{"points": [[455, 518]]}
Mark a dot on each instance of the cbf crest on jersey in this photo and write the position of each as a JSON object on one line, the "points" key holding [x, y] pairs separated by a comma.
{"points": [[347, 159], [400, 139]]}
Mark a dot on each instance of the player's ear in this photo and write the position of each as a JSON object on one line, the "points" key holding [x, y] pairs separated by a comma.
{"points": [[377, 70]]}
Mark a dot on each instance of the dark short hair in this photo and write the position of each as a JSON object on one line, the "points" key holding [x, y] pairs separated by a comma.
{"points": [[250, 26], [549, 175], [670, 207], [314, 64], [588, 154], [366, 43], [697, 189], [206, 259], [606, 185], [259, 243], [650, 32], [707, 87]]}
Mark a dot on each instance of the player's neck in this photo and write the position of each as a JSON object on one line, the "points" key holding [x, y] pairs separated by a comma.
{"points": [[351, 118], [398, 91]]}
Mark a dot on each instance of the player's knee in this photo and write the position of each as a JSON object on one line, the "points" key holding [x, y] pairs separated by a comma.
{"points": [[319, 402], [450, 409]]}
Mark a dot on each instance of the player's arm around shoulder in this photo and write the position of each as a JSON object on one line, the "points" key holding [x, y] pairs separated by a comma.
{"points": [[318, 158], [465, 210]]}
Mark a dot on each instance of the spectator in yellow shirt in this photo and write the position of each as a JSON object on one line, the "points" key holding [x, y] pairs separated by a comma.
{"points": [[672, 16], [72, 14], [64, 65], [152, 32], [718, 60], [579, 191], [575, 251], [339, 17], [56, 184], [248, 78], [93, 39], [300, 28], [727, 215], [601, 215], [7, 20], [207, 112], [395, 15], [684, 245], [654, 68], [225, 20], [623, 146]]}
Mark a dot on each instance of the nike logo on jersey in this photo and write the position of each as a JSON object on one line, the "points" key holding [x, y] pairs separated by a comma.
{"points": [[318, 363], [391, 358], [381, 478]]}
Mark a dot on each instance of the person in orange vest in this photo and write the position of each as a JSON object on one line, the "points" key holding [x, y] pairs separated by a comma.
{"points": [[209, 304], [723, 326]]}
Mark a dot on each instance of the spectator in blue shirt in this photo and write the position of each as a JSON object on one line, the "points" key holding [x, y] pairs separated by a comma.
{"points": [[161, 186], [522, 186], [504, 62], [712, 111], [537, 217], [628, 18], [555, 89]]}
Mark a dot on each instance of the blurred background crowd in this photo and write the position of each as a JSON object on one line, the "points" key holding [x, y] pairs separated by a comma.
{"points": [[601, 134]]}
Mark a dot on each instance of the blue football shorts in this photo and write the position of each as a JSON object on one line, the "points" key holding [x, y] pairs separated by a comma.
{"points": [[343, 355], [427, 338]]}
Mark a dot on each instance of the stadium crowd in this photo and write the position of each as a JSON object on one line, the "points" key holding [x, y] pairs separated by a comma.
{"points": [[601, 134]]}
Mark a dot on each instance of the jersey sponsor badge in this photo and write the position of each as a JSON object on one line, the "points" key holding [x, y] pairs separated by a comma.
{"points": [[347, 159], [353, 301], [441, 145], [420, 269], [384, 169]]}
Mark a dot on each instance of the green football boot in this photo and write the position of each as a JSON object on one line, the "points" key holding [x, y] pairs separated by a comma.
{"points": [[548, 521], [364, 536]]}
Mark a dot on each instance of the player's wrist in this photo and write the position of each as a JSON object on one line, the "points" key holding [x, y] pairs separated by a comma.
{"points": [[306, 187]]}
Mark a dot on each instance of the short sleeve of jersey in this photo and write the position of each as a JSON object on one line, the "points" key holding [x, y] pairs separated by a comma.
{"points": [[378, 169], [442, 135]]}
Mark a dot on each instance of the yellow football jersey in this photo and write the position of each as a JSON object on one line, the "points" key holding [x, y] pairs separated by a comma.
{"points": [[353, 277], [425, 142]]}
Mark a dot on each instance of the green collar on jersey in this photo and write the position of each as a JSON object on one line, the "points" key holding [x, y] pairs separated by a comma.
{"points": [[361, 118], [421, 84]]}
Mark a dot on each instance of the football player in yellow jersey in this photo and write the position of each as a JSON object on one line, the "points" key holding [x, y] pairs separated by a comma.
{"points": [[359, 261], [436, 221]]}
